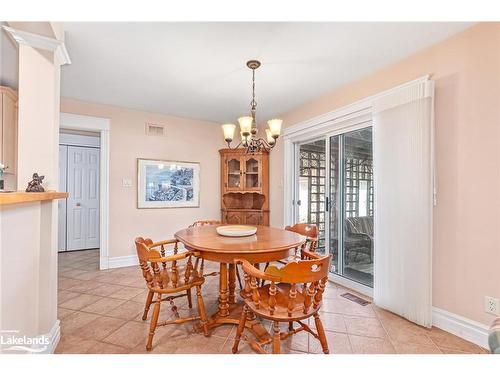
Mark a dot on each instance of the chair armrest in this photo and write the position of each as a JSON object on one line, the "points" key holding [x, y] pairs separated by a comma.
{"points": [[171, 258], [165, 242], [308, 255], [249, 269]]}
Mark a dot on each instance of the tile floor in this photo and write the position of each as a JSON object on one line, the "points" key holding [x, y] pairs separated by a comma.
{"points": [[100, 312]]}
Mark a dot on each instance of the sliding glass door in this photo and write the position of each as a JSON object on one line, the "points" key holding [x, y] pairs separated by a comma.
{"points": [[312, 186], [338, 197]]}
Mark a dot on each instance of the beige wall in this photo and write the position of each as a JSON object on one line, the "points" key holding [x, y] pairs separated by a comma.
{"points": [[466, 70], [186, 140]]}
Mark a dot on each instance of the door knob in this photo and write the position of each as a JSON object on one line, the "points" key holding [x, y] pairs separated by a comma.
{"points": [[78, 204]]}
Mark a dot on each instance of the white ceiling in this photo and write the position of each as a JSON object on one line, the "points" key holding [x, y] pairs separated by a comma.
{"points": [[198, 70]]}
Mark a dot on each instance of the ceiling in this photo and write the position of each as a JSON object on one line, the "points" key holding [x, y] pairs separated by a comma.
{"points": [[197, 70]]}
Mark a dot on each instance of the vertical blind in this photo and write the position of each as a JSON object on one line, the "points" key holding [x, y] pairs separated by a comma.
{"points": [[404, 186]]}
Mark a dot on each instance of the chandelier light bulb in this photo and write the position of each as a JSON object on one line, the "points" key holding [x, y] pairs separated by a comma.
{"points": [[275, 127], [270, 139], [228, 130], [246, 125]]}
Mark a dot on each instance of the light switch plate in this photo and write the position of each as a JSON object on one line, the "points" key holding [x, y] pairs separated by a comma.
{"points": [[126, 182]]}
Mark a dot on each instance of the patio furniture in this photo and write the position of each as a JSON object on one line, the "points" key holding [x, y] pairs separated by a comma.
{"points": [[359, 235]]}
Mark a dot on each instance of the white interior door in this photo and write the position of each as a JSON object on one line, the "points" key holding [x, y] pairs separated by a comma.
{"points": [[61, 203], [92, 199], [83, 201]]}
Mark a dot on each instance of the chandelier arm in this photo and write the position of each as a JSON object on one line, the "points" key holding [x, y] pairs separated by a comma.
{"points": [[232, 148]]}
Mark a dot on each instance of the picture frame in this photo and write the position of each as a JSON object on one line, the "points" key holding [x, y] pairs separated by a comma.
{"points": [[167, 183]]}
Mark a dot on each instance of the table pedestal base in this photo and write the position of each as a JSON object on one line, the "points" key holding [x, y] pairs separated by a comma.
{"points": [[252, 325]]}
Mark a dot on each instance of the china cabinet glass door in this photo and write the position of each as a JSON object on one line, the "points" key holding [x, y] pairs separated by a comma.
{"points": [[252, 173], [233, 171]]}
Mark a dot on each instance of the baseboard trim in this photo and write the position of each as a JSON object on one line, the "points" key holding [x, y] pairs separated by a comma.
{"points": [[126, 261], [460, 326], [54, 337]]}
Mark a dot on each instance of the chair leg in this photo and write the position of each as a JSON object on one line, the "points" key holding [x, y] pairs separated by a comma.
{"points": [[149, 299], [154, 322], [290, 326], [239, 331], [321, 333], [190, 303], [262, 282], [239, 277], [201, 310], [276, 337]]}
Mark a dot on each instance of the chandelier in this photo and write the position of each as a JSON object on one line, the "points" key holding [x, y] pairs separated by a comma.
{"points": [[248, 125]]}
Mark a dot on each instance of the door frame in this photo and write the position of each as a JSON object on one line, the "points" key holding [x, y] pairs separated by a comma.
{"points": [[99, 125]]}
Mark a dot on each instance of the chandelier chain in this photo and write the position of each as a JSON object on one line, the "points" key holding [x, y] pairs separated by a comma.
{"points": [[253, 103]]}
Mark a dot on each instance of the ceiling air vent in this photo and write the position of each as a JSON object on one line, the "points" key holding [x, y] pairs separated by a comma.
{"points": [[155, 130]]}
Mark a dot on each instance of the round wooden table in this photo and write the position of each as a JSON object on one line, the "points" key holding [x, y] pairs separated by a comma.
{"points": [[267, 245]]}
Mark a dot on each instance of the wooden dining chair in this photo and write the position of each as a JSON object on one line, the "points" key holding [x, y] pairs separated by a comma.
{"points": [[293, 295], [201, 223], [310, 231], [168, 276]]}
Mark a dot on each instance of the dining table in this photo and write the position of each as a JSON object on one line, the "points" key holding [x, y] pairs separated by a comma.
{"points": [[268, 244]]}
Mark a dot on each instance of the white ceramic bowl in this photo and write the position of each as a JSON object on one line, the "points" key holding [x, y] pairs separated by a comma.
{"points": [[236, 230]]}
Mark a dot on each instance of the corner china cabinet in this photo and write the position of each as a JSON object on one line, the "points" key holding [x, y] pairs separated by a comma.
{"points": [[244, 187]]}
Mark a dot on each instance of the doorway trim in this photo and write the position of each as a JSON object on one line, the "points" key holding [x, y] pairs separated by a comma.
{"points": [[101, 125]]}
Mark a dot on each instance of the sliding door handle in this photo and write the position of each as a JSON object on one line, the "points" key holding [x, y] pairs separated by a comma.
{"points": [[327, 204]]}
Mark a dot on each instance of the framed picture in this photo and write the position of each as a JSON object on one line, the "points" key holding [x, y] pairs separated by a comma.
{"points": [[167, 184]]}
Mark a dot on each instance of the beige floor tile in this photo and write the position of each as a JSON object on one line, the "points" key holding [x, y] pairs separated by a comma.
{"points": [[103, 306], [74, 345], [141, 297], [452, 351], [127, 292], [64, 295], [84, 286], [370, 345], [74, 321], [331, 322], [446, 340], [65, 283], [128, 310], [72, 273], [62, 312], [106, 278], [199, 344], [87, 275], [105, 348], [406, 332], [99, 328], [338, 343], [132, 334], [80, 302], [362, 326], [410, 348], [105, 290]]}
